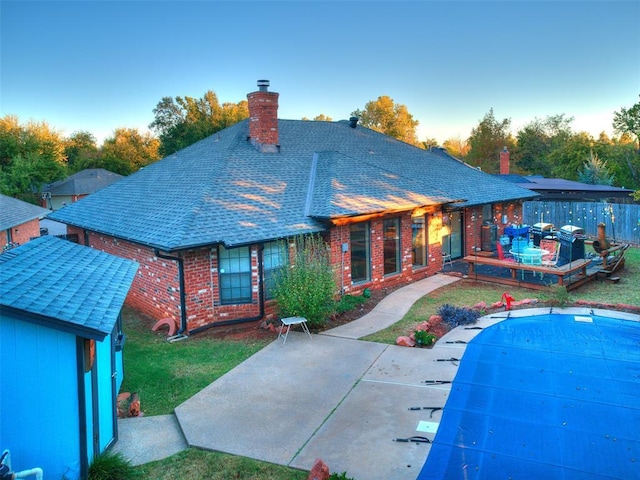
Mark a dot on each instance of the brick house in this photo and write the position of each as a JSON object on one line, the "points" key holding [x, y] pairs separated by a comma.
{"points": [[19, 221], [205, 223]]}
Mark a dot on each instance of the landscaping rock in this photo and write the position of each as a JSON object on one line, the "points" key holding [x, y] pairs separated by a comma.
{"points": [[424, 326], [405, 341], [437, 326], [320, 471]]}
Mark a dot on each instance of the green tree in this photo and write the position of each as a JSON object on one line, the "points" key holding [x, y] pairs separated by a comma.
{"points": [[429, 143], [319, 118], [567, 159], [183, 121], [307, 287], [26, 175], [30, 154], [628, 121], [595, 172], [81, 148], [385, 116], [623, 162], [456, 147], [128, 150], [487, 141], [537, 140]]}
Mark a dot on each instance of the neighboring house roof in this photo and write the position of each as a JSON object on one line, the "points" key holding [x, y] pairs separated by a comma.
{"points": [[16, 212], [84, 182], [223, 190], [65, 286], [559, 185]]}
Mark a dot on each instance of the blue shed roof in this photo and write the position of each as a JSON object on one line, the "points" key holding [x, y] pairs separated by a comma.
{"points": [[66, 286], [223, 190]]}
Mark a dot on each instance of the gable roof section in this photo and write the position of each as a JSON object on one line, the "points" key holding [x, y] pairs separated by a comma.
{"points": [[16, 212], [83, 182], [222, 190], [65, 286], [343, 186]]}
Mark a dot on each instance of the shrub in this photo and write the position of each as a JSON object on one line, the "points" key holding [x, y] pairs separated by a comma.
{"points": [[424, 338], [349, 302], [111, 466], [455, 316], [307, 287], [557, 295], [340, 476]]}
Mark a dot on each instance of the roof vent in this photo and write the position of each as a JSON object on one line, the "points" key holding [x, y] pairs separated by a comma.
{"points": [[353, 121], [263, 85]]}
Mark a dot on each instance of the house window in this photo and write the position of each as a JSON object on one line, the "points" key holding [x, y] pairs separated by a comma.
{"points": [[234, 267], [274, 256], [391, 235], [360, 253], [419, 241], [487, 213]]}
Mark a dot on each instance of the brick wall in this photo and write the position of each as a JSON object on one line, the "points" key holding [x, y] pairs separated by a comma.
{"points": [[263, 117], [156, 288], [22, 233], [341, 234], [473, 229]]}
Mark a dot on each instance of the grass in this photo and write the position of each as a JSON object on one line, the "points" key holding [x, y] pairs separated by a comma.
{"points": [[469, 293], [463, 293], [199, 464], [166, 374]]}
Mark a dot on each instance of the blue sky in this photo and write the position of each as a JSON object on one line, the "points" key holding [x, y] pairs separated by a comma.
{"points": [[96, 66]]}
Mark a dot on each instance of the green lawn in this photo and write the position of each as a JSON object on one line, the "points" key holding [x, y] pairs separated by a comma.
{"points": [[165, 374], [469, 293]]}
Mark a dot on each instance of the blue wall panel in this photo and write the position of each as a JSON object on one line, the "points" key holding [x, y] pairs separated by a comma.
{"points": [[40, 423], [106, 395]]}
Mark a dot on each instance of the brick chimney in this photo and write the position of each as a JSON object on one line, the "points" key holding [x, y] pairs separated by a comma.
{"points": [[504, 161], [263, 118]]}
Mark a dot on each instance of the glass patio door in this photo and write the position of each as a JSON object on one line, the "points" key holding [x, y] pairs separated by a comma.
{"points": [[452, 233]]}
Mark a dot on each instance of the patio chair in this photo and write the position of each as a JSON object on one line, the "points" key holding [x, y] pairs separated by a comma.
{"points": [[446, 258], [548, 245], [551, 260], [504, 256]]}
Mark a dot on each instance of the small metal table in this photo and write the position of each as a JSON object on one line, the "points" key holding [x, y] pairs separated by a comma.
{"points": [[287, 322]]}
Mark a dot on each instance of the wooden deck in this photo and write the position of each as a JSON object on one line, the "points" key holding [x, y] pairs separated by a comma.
{"points": [[571, 275]]}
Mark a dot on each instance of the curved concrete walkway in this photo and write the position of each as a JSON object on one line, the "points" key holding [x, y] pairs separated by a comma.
{"points": [[147, 439], [391, 308], [332, 397]]}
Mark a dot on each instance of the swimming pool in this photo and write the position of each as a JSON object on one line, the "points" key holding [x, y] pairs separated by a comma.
{"points": [[551, 396]]}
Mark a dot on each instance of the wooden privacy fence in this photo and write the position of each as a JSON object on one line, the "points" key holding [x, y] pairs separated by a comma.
{"points": [[622, 220]]}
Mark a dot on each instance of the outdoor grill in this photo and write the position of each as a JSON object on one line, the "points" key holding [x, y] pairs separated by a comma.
{"points": [[571, 240], [540, 231]]}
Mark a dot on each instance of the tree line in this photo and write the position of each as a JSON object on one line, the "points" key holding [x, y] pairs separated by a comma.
{"points": [[33, 154]]}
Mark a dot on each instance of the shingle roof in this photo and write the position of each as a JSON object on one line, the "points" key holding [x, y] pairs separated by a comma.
{"points": [[222, 190], [535, 182], [83, 182], [16, 212], [65, 286]]}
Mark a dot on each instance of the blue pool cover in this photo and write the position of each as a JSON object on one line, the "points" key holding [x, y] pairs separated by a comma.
{"points": [[548, 397]]}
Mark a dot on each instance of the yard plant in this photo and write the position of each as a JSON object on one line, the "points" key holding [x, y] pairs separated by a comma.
{"points": [[469, 293], [166, 374], [307, 287]]}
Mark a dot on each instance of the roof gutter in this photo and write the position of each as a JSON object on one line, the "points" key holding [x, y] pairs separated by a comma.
{"points": [[236, 321], [183, 295]]}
